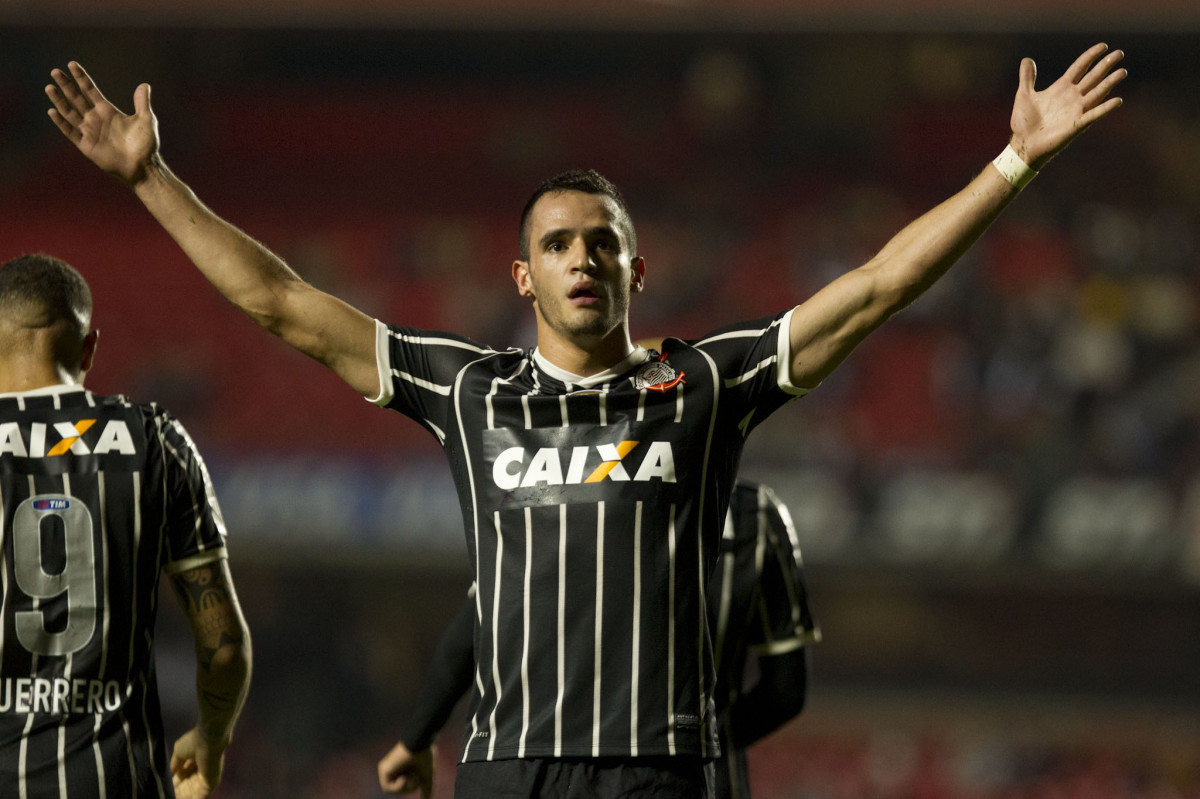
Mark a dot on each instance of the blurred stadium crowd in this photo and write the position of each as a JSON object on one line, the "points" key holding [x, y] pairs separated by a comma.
{"points": [[998, 495]]}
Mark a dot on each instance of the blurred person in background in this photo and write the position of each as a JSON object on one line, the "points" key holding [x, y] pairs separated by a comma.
{"points": [[758, 606], [100, 495], [593, 474]]}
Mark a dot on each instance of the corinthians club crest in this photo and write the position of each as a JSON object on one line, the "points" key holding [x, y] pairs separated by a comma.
{"points": [[658, 376]]}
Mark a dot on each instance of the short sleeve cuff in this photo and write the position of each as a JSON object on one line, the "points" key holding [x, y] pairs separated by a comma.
{"points": [[383, 365], [195, 561], [785, 645], [783, 357]]}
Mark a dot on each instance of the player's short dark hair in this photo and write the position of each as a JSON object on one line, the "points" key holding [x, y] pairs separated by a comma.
{"points": [[40, 290], [588, 181]]}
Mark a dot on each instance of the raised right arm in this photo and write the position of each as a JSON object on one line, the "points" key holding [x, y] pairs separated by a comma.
{"points": [[249, 275]]}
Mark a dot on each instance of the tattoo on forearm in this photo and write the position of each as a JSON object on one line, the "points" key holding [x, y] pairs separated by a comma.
{"points": [[218, 700], [210, 604]]}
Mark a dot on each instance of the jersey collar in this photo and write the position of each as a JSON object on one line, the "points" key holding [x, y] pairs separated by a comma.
{"points": [[45, 391], [573, 381]]}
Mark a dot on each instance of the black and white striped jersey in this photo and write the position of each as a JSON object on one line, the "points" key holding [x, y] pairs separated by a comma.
{"points": [[594, 510], [757, 604], [100, 495]]}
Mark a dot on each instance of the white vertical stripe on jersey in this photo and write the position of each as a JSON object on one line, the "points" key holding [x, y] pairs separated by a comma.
{"points": [[728, 560], [792, 546], [153, 597], [679, 403], [702, 634], [760, 540], [22, 759], [22, 779], [562, 627], [137, 548], [702, 583], [603, 400], [671, 631], [106, 616], [534, 374], [100, 779], [62, 724], [457, 394], [599, 641], [525, 407], [474, 716], [128, 748], [106, 621], [496, 639], [641, 413], [637, 629], [562, 405], [525, 642], [487, 402]]}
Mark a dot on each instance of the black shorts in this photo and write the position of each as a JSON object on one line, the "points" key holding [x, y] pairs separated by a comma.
{"points": [[585, 778]]}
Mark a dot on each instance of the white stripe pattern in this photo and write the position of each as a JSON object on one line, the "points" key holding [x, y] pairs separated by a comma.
{"points": [[496, 643], [598, 654], [637, 630], [67, 665], [562, 628], [671, 632], [727, 561], [525, 642], [745, 376]]}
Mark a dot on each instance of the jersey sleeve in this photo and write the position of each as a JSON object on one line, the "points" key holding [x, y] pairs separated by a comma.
{"points": [[751, 360], [781, 620], [418, 369], [192, 522]]}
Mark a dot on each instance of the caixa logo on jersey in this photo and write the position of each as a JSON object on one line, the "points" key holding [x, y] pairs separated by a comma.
{"points": [[41, 440], [552, 465]]}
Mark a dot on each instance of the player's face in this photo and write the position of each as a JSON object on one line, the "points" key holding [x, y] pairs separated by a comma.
{"points": [[580, 272]]}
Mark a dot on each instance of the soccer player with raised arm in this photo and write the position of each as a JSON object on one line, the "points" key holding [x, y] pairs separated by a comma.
{"points": [[593, 474], [757, 608], [99, 496]]}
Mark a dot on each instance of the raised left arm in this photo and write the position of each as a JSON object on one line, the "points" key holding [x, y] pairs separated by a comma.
{"points": [[829, 325]]}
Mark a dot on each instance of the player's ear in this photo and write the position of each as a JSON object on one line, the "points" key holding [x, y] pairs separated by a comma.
{"points": [[90, 342], [520, 273], [637, 269]]}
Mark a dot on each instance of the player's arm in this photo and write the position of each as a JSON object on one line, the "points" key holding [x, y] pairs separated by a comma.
{"points": [[409, 764], [223, 664], [828, 326], [776, 698], [247, 273]]}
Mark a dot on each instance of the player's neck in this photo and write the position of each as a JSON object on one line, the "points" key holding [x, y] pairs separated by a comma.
{"points": [[20, 375], [585, 358]]}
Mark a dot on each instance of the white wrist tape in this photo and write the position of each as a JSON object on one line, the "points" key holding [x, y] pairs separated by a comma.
{"points": [[1014, 170]]}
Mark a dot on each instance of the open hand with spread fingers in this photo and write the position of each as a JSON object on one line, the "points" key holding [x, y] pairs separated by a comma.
{"points": [[122, 145], [1044, 122]]}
